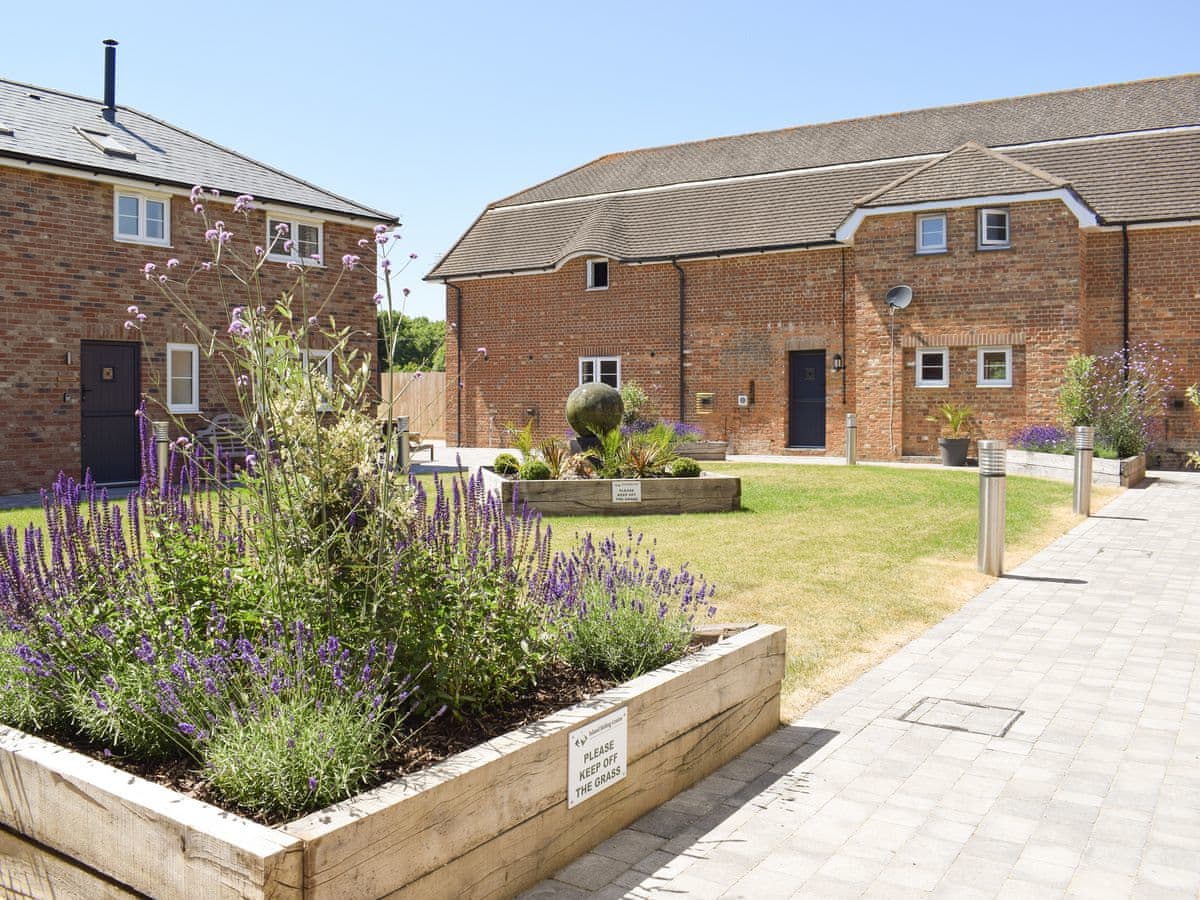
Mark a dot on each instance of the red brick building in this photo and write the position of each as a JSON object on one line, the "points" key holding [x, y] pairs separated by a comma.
{"points": [[89, 193], [742, 280]]}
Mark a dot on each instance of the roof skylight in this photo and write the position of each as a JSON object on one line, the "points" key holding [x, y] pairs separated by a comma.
{"points": [[106, 143]]}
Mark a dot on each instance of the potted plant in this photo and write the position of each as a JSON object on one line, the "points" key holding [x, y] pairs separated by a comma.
{"points": [[955, 418]]}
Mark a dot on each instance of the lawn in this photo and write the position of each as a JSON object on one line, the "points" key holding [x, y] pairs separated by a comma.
{"points": [[854, 561]]}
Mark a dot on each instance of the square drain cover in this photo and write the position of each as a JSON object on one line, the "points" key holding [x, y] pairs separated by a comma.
{"points": [[959, 716]]}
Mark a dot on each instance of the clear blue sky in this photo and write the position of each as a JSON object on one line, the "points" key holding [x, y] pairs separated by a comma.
{"points": [[432, 110]]}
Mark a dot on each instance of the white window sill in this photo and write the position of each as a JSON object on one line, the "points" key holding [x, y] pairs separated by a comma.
{"points": [[933, 252], [307, 263], [605, 288], [146, 242], [927, 385], [994, 247], [186, 410], [993, 384]]}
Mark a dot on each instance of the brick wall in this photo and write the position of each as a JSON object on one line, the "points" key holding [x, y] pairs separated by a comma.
{"points": [[1027, 296], [742, 316], [63, 280], [1055, 292]]}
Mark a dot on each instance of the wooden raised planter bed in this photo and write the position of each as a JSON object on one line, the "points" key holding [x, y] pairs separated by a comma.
{"points": [[620, 497], [1123, 472], [703, 450], [488, 822]]}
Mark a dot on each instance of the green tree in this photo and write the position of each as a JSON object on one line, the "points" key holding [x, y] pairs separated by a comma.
{"points": [[410, 343]]}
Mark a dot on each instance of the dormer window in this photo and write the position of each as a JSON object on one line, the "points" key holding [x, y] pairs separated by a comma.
{"points": [[141, 218], [931, 233], [597, 274], [993, 229]]}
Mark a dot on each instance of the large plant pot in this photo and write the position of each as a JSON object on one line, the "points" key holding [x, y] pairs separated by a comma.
{"points": [[954, 450], [711, 492]]}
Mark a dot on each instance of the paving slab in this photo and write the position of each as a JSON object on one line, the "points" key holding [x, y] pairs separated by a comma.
{"points": [[1044, 741]]}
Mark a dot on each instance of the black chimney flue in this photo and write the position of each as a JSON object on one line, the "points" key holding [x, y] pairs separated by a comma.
{"points": [[110, 79]]}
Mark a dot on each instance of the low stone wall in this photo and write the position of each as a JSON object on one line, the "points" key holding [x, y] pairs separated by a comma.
{"points": [[1120, 472]]}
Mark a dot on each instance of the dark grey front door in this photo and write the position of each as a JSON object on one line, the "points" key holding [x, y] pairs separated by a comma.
{"points": [[110, 379], [806, 398]]}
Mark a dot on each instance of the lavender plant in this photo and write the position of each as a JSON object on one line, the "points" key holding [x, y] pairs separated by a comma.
{"points": [[620, 612], [1042, 438], [1122, 394]]}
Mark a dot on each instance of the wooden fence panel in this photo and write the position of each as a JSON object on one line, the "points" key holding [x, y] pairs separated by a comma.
{"points": [[419, 395]]}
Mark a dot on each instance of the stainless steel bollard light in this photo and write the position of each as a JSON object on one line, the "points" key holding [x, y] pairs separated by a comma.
{"points": [[402, 442], [162, 441], [991, 507], [851, 439], [1085, 442]]}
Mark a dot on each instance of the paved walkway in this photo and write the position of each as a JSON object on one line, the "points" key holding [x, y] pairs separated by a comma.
{"points": [[1056, 750]]}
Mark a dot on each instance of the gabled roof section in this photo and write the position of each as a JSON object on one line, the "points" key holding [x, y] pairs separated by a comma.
{"points": [[60, 129], [1150, 173], [967, 171], [1084, 112]]}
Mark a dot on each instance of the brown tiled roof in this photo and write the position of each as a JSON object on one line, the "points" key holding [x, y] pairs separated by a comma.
{"points": [[1109, 109], [968, 171], [1122, 178]]}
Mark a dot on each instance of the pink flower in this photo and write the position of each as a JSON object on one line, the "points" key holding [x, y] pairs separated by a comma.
{"points": [[141, 317], [198, 208], [316, 257], [412, 256], [132, 310], [380, 229], [197, 190], [129, 325], [349, 260], [243, 203], [281, 228], [406, 292], [378, 298], [211, 234], [258, 251], [147, 269], [287, 246], [206, 266], [312, 321], [363, 242], [386, 265], [172, 263]]}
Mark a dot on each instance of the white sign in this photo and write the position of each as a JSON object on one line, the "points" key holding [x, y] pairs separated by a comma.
{"points": [[627, 492], [597, 756]]}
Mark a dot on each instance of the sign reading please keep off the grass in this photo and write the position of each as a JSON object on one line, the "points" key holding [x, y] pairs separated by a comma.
{"points": [[597, 756]]}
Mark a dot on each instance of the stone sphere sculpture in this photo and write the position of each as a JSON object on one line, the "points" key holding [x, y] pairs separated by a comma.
{"points": [[592, 408]]}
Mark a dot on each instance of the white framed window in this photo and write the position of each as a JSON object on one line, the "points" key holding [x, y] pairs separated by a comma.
{"points": [[995, 367], [141, 218], [597, 274], [294, 240], [600, 368], [183, 378], [933, 367], [931, 233], [993, 229]]}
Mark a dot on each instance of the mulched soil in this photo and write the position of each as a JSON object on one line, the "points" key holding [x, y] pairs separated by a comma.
{"points": [[438, 739]]}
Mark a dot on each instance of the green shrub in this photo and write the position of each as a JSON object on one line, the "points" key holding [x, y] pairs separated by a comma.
{"points": [[506, 464], [685, 467], [535, 470], [300, 754], [625, 636], [637, 403]]}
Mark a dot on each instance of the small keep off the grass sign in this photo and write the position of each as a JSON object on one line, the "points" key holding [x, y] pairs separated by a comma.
{"points": [[597, 756]]}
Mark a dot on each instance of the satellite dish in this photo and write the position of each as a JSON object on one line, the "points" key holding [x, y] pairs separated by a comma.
{"points": [[899, 297]]}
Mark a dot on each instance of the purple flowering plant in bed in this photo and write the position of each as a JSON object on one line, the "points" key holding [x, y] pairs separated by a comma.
{"points": [[1042, 438], [285, 630]]}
